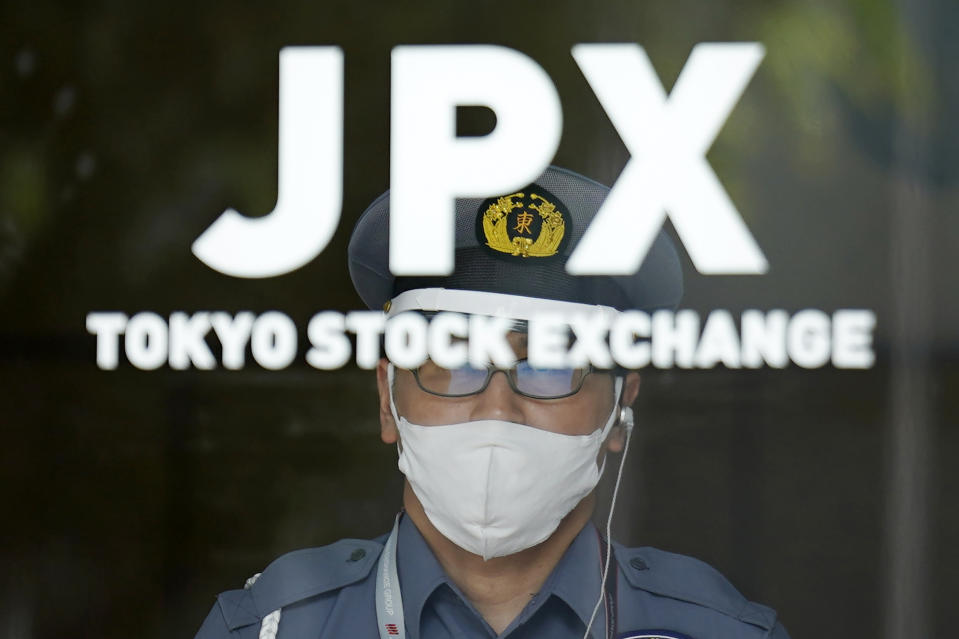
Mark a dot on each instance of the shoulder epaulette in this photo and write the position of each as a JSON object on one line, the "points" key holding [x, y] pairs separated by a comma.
{"points": [[299, 575], [690, 580]]}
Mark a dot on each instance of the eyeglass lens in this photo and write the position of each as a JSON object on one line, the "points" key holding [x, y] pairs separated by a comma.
{"points": [[536, 382]]}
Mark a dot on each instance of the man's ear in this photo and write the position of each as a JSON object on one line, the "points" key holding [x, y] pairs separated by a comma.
{"points": [[630, 389], [617, 436], [388, 431]]}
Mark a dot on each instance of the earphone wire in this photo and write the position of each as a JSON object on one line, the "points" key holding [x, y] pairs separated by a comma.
{"points": [[609, 530]]}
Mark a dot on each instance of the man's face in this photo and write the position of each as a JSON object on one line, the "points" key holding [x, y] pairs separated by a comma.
{"points": [[579, 414]]}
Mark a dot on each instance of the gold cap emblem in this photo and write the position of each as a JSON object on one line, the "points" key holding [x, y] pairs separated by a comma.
{"points": [[523, 226]]}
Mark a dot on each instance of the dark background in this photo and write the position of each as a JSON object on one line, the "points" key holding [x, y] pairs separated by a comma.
{"points": [[131, 498]]}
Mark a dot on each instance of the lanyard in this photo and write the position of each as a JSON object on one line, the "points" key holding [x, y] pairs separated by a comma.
{"points": [[389, 600]]}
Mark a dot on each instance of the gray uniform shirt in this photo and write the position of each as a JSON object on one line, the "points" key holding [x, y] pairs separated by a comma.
{"points": [[329, 593]]}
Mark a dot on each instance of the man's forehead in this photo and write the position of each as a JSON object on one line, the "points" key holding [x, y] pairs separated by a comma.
{"points": [[519, 340]]}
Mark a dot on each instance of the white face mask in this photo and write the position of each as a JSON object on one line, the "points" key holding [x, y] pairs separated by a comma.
{"points": [[494, 487]]}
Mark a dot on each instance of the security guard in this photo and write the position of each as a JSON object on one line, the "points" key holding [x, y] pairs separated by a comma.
{"points": [[495, 538]]}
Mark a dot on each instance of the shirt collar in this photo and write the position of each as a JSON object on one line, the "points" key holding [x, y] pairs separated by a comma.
{"points": [[576, 579], [419, 570]]}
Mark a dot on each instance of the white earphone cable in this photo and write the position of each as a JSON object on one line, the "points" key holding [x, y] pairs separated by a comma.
{"points": [[609, 522]]}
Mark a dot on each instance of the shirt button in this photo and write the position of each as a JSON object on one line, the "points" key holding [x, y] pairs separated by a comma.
{"points": [[638, 564], [357, 554]]}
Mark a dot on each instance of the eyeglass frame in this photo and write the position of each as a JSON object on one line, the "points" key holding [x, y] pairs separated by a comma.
{"points": [[492, 370]]}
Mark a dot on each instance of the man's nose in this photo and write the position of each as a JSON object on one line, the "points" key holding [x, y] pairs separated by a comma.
{"points": [[499, 401]]}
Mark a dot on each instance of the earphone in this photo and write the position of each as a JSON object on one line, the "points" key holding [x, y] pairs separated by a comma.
{"points": [[626, 417]]}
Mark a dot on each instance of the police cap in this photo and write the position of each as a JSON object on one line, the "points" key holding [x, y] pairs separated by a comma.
{"points": [[517, 245]]}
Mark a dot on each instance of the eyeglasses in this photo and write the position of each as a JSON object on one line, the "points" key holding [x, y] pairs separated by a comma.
{"points": [[524, 379]]}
